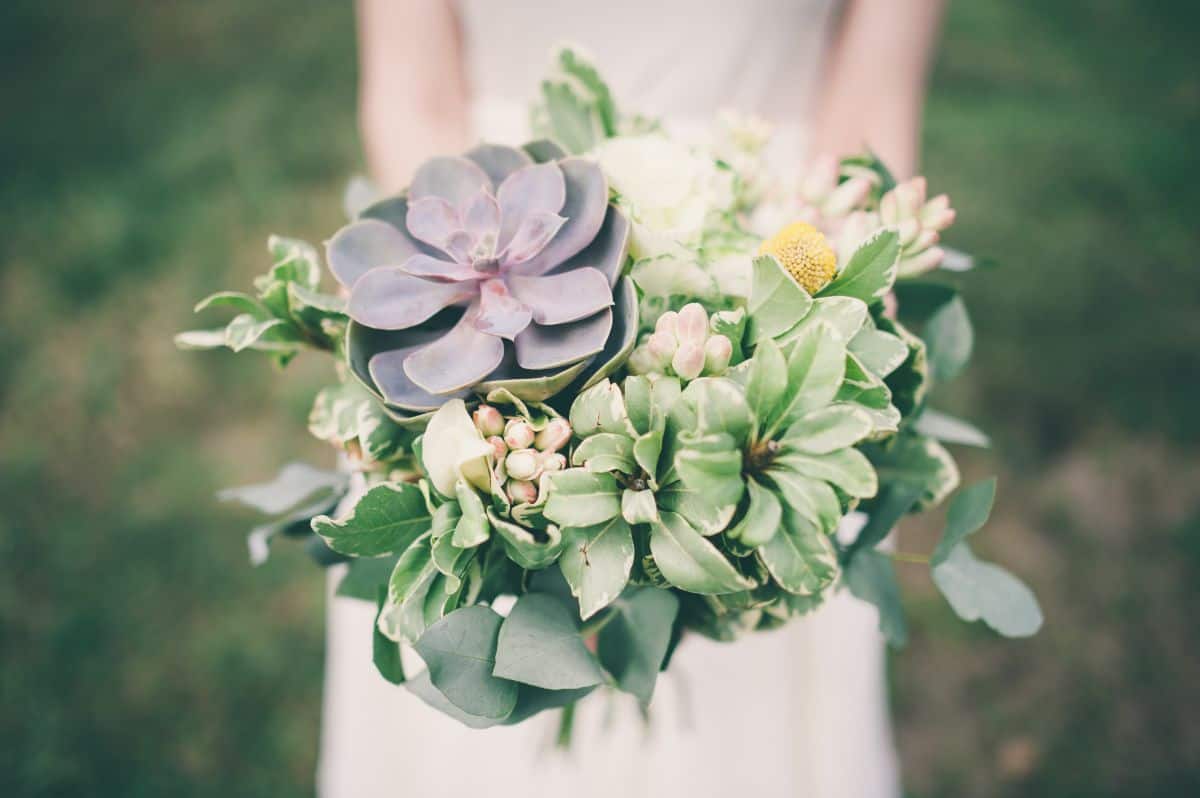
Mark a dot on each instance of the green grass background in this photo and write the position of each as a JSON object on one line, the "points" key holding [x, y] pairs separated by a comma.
{"points": [[148, 148]]}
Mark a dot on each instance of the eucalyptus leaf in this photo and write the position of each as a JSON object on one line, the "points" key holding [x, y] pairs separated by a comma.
{"points": [[385, 653], [364, 576], [596, 561], [871, 577], [979, 590], [893, 502], [948, 429], [634, 643], [540, 645], [919, 461], [295, 483], [950, 339], [968, 512], [689, 561], [460, 653], [386, 520]]}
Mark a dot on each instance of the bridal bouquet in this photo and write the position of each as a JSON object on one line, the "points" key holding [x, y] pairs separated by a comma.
{"points": [[610, 387]]}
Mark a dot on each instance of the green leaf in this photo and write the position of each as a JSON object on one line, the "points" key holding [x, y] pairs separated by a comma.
{"points": [[295, 261], [581, 498], [948, 429], [816, 366], [776, 300], [568, 119], [296, 483], [800, 556], [596, 561], [871, 577], [813, 499], [605, 452], [691, 562], [881, 352], [271, 335], [712, 465], [720, 407], [846, 315], [949, 338], [731, 324], [472, 528], [633, 644], [201, 339], [846, 469], [540, 645], [586, 79], [532, 700], [827, 429], [384, 521], [460, 653], [600, 408], [450, 560], [919, 461], [313, 308], [762, 518], [423, 688], [523, 547], [638, 507], [646, 452], [364, 576], [766, 383], [385, 653], [871, 271], [236, 300], [979, 590], [892, 503], [408, 588], [649, 402], [968, 512], [707, 517]]}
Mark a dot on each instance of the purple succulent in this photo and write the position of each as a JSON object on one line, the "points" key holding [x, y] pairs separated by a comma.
{"points": [[491, 267]]}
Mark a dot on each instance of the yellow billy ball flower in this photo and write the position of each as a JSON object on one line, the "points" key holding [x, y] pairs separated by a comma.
{"points": [[804, 253]]}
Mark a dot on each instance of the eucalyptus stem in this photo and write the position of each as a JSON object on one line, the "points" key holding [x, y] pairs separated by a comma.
{"points": [[903, 556], [566, 726]]}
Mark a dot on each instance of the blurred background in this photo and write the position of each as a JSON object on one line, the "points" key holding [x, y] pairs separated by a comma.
{"points": [[148, 149]]}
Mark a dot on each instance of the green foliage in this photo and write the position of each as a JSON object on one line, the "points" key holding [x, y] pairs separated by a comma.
{"points": [[633, 643], [386, 520], [576, 109], [596, 562], [870, 272], [540, 645]]}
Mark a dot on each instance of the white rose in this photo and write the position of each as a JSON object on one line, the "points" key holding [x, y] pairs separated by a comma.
{"points": [[667, 189]]}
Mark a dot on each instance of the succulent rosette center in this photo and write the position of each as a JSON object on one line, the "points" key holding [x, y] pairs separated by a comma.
{"points": [[491, 268]]}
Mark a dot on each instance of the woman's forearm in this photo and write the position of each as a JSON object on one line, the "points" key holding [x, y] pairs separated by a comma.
{"points": [[874, 87], [412, 85]]}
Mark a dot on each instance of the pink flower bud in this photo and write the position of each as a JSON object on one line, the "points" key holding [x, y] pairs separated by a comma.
{"points": [[924, 240], [642, 361], [666, 323], [662, 346], [554, 435], [909, 229], [523, 464], [889, 209], [847, 197], [499, 447], [717, 352], [937, 213], [518, 434], [688, 361], [521, 491], [693, 324], [820, 179], [488, 420], [922, 261], [890, 305], [553, 461]]}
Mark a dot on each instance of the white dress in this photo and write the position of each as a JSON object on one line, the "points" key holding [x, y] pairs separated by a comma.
{"points": [[800, 711]]}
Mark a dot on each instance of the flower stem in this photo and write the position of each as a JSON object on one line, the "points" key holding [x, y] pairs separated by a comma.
{"points": [[902, 556]]}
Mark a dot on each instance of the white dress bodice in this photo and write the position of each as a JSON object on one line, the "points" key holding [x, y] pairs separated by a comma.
{"points": [[801, 711]]}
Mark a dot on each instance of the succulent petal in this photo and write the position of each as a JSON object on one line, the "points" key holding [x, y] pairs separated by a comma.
{"points": [[457, 360], [481, 217], [387, 298], [364, 245], [532, 190], [387, 371], [498, 161], [546, 347], [585, 208], [531, 237], [454, 179], [607, 251], [433, 220], [438, 270], [500, 313], [562, 298]]}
